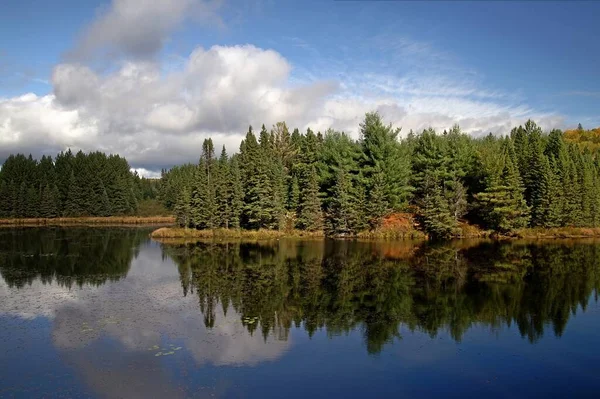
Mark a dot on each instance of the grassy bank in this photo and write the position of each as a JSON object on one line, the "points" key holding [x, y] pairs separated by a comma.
{"points": [[559, 232], [104, 221], [177, 234]]}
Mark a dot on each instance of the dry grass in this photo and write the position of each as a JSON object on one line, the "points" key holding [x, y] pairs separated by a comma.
{"points": [[111, 220], [178, 234], [467, 230], [391, 231], [559, 232]]}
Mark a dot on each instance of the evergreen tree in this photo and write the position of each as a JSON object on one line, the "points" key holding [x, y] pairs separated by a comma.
{"points": [[377, 205], [383, 154], [49, 202], [310, 215], [536, 176], [75, 198], [434, 214], [503, 201], [224, 191], [237, 193], [33, 202], [182, 208]]}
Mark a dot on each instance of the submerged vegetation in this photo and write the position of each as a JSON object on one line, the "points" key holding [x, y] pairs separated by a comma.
{"points": [[329, 182]]}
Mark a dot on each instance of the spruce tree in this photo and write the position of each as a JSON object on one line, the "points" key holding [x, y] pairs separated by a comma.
{"points": [[33, 202], [48, 202], [377, 205], [536, 175], [434, 214], [310, 215], [382, 153], [182, 208], [224, 191], [503, 201], [237, 193]]}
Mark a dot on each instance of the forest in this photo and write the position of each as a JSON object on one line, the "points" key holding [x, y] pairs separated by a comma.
{"points": [[70, 185], [331, 182]]}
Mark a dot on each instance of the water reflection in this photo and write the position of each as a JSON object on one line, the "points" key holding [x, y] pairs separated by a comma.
{"points": [[341, 285], [128, 317], [67, 256]]}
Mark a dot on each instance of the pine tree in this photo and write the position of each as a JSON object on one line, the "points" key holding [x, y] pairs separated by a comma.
{"points": [[182, 208], [100, 201], [73, 203], [293, 194], [48, 202], [434, 214], [310, 215], [503, 201], [6, 199], [553, 200], [22, 205], [338, 221], [203, 205], [377, 205], [383, 153], [33, 202], [536, 176], [224, 191], [237, 193]]}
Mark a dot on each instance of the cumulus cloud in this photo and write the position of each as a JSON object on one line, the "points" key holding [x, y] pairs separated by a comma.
{"points": [[139, 28], [157, 116], [157, 112]]}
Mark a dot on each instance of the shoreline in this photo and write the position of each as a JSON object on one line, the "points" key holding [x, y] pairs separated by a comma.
{"points": [[89, 221], [178, 234]]}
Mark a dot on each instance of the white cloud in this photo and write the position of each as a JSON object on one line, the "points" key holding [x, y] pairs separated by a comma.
{"points": [[139, 28], [157, 113]]}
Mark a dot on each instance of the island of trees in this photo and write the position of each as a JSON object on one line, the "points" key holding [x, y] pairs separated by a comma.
{"points": [[331, 183], [282, 180]]}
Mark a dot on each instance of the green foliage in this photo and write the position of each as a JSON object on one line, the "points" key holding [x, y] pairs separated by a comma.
{"points": [[341, 185], [92, 184], [310, 214], [503, 203]]}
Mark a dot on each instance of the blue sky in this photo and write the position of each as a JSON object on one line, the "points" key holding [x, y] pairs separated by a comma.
{"points": [[419, 63]]}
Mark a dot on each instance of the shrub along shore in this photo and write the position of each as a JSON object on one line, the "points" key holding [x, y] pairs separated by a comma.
{"points": [[178, 234]]}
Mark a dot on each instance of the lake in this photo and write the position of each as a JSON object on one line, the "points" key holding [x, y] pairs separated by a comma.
{"points": [[106, 312]]}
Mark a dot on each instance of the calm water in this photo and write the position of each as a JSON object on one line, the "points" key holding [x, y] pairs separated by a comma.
{"points": [[108, 313]]}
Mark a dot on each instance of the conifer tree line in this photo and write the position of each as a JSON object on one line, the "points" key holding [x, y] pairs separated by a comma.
{"points": [[71, 185], [331, 182]]}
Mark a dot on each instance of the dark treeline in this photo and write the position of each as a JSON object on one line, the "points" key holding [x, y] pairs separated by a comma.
{"points": [[70, 185], [68, 257], [346, 285], [282, 180]]}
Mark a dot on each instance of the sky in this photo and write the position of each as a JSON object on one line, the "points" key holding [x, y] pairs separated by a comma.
{"points": [[151, 79]]}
